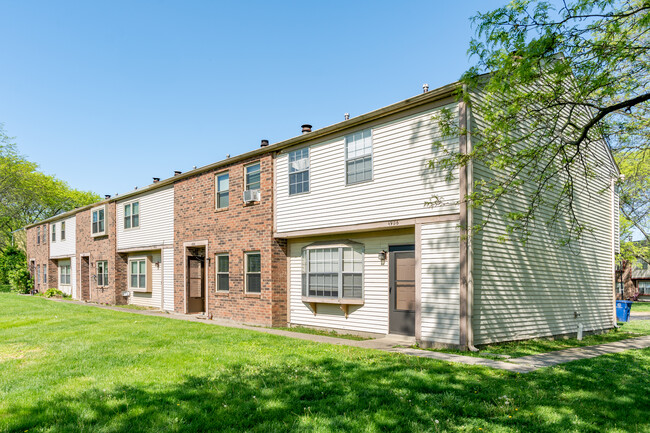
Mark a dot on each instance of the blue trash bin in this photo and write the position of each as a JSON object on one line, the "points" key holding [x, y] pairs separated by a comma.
{"points": [[623, 310]]}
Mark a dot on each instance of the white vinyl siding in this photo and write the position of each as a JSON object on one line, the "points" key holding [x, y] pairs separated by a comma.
{"points": [[157, 273], [372, 316], [168, 278], [440, 283], [541, 288], [156, 220], [402, 180], [65, 247]]}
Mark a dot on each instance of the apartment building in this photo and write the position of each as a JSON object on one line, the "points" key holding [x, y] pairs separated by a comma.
{"points": [[346, 227]]}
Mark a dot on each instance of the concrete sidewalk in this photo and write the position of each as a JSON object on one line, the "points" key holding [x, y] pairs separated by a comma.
{"points": [[404, 345]]}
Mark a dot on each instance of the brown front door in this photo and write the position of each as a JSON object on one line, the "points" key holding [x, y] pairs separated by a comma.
{"points": [[85, 278], [402, 290], [195, 284]]}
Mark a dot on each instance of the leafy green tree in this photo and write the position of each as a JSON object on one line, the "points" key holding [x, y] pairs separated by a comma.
{"points": [[634, 189], [27, 195], [11, 258], [566, 76]]}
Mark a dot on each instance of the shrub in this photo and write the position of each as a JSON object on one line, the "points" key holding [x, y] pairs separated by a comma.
{"points": [[11, 258], [50, 293], [20, 280], [4, 288]]}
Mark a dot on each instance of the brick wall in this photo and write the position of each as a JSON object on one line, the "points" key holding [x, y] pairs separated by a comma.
{"points": [[235, 230], [38, 254], [100, 248]]}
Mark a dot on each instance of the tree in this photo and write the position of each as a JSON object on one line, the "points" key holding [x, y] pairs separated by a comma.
{"points": [[634, 188], [575, 75], [27, 195], [11, 259]]}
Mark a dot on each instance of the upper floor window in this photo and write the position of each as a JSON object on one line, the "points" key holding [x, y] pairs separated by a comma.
{"points": [[102, 273], [252, 177], [62, 230], [38, 235], [97, 218], [132, 215], [333, 271], [53, 232], [223, 187], [358, 157], [299, 171]]}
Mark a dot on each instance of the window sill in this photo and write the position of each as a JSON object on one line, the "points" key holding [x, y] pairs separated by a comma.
{"points": [[138, 290], [221, 209], [222, 293], [343, 303], [252, 295], [98, 235]]}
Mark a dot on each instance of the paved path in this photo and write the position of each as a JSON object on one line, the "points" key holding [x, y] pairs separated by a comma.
{"points": [[641, 315], [403, 345]]}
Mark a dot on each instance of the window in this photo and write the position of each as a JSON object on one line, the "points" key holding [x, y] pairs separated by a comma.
{"points": [[223, 185], [333, 271], [65, 274], [132, 215], [223, 272], [63, 230], [299, 171], [138, 275], [97, 219], [53, 232], [102, 273], [358, 157], [38, 235], [253, 273], [253, 177], [44, 274], [38, 273], [644, 287], [620, 287]]}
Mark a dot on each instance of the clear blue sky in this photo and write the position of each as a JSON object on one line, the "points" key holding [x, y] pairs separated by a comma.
{"points": [[106, 95]]}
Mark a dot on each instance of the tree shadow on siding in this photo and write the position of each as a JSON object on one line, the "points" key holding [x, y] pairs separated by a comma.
{"points": [[370, 393]]}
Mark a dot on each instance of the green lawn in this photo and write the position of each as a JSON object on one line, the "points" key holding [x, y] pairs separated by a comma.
{"points": [[641, 307], [68, 368], [305, 330]]}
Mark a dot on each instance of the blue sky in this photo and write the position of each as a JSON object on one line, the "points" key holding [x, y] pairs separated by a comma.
{"points": [[106, 95]]}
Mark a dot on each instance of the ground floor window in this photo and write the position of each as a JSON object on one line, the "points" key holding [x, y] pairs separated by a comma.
{"points": [[102, 273], [253, 272], [44, 274], [138, 274], [333, 271], [223, 272], [64, 274], [644, 287]]}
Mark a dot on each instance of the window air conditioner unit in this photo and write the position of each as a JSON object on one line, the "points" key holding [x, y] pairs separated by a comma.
{"points": [[251, 195]]}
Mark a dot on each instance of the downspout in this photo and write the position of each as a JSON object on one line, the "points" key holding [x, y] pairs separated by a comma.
{"points": [[470, 222]]}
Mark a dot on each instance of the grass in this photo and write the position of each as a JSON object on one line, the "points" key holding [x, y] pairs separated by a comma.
{"points": [[67, 367], [136, 307], [5, 288], [641, 307], [304, 330], [517, 349]]}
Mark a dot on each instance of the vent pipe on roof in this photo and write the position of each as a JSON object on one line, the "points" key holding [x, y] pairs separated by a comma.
{"points": [[176, 173], [306, 128], [156, 179], [425, 88], [264, 143], [347, 116], [107, 196]]}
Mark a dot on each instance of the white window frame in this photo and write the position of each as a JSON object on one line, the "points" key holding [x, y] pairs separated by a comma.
{"points": [[147, 274], [218, 272], [92, 212], [370, 155], [341, 272], [38, 235], [104, 273], [299, 171], [64, 275], [53, 239], [645, 290], [217, 192], [246, 184], [44, 274], [38, 273], [247, 255], [131, 215], [62, 230]]}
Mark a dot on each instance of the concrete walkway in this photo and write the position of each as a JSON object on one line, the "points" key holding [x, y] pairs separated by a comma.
{"points": [[403, 345]]}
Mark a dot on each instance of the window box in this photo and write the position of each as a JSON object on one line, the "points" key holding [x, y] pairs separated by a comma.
{"points": [[343, 303]]}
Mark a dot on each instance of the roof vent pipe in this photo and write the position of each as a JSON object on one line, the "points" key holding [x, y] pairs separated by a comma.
{"points": [[425, 88], [107, 196], [156, 179], [306, 128], [347, 116], [264, 143], [176, 173]]}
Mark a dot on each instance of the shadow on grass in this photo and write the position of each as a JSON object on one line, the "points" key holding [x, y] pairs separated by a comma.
{"points": [[382, 393]]}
